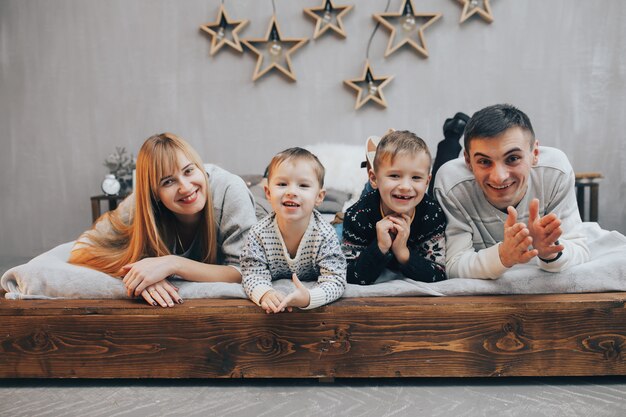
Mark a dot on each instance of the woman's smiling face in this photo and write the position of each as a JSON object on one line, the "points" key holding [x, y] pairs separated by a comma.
{"points": [[184, 191]]}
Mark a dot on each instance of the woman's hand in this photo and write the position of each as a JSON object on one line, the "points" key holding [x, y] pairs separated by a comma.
{"points": [[141, 274], [162, 293]]}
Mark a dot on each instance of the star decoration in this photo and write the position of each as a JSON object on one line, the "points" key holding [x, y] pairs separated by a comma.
{"points": [[224, 32], [369, 87], [472, 7], [274, 51], [328, 16], [406, 26]]}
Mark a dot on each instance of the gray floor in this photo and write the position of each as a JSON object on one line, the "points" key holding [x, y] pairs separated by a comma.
{"points": [[598, 396], [424, 397]]}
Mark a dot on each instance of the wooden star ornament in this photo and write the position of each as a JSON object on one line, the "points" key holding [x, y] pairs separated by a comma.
{"points": [[407, 28], [274, 51], [224, 31], [476, 7], [369, 87], [328, 16]]}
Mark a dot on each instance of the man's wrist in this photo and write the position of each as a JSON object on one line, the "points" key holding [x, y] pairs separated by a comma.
{"points": [[547, 261], [502, 257], [554, 258]]}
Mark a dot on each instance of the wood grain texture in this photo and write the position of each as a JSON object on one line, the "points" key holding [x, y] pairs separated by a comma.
{"points": [[533, 335]]}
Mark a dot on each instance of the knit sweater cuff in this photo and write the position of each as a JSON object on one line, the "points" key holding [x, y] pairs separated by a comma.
{"points": [[258, 293], [493, 266], [317, 298]]}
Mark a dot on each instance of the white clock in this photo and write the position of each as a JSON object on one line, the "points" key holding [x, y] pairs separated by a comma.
{"points": [[110, 185]]}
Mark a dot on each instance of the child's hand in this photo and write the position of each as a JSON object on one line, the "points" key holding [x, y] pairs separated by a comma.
{"points": [[514, 248], [271, 300], [403, 230], [300, 297], [385, 229]]}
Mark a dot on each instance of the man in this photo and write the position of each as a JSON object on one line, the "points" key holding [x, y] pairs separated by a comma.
{"points": [[508, 201]]}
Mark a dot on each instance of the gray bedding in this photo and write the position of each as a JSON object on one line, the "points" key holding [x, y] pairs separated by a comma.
{"points": [[49, 276]]}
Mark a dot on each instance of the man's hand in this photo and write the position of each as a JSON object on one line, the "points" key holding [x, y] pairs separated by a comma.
{"points": [[300, 297], [514, 248], [545, 231], [402, 225]]}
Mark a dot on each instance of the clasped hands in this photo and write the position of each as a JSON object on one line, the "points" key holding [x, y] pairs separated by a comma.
{"points": [[392, 233], [147, 277], [275, 301], [542, 233]]}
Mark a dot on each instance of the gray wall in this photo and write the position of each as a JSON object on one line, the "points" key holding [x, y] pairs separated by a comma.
{"points": [[79, 77]]}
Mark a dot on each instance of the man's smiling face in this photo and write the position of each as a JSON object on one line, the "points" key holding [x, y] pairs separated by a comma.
{"points": [[502, 164]]}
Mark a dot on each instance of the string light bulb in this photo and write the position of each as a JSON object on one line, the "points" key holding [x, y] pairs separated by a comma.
{"points": [[328, 17], [407, 28], [224, 31]]}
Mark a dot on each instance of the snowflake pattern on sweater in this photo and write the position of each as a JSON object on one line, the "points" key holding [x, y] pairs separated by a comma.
{"points": [[426, 242], [319, 258]]}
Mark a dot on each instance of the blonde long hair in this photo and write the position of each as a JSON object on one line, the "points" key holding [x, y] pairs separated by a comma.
{"points": [[152, 230]]}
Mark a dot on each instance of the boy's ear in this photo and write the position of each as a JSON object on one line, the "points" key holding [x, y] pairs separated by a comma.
{"points": [[320, 197], [372, 178], [267, 191], [428, 179]]}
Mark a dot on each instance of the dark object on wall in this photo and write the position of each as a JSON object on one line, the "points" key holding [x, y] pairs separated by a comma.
{"points": [[449, 148]]}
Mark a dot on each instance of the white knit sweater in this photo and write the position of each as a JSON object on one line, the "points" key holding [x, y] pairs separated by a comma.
{"points": [[475, 228], [319, 258]]}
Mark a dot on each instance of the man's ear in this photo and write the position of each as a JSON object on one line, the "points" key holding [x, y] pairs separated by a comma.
{"points": [[372, 178], [467, 160], [320, 197], [535, 152]]}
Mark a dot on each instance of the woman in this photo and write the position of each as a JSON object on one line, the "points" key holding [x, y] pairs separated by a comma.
{"points": [[181, 221]]}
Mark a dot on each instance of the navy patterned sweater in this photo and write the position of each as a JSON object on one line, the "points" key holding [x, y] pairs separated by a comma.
{"points": [[426, 242]]}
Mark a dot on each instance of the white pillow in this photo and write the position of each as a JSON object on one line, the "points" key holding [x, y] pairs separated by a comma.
{"points": [[343, 167]]}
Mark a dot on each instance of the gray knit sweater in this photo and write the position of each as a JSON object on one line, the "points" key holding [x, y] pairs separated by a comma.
{"points": [[233, 208], [476, 228]]}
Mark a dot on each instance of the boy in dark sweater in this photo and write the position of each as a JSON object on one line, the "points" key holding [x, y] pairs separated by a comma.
{"points": [[396, 226]]}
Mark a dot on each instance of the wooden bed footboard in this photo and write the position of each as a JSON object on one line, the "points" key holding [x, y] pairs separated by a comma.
{"points": [[529, 335]]}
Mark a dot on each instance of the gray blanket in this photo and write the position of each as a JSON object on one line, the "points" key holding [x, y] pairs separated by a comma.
{"points": [[49, 276]]}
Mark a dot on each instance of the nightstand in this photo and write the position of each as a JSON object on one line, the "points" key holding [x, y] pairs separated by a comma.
{"points": [[96, 201]]}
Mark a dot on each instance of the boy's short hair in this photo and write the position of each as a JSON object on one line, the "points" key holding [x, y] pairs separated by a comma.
{"points": [[296, 154], [493, 120], [399, 142]]}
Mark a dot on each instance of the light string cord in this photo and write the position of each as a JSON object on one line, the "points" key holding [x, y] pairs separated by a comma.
{"points": [[369, 42]]}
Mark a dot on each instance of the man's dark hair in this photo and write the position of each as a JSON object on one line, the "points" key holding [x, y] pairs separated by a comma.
{"points": [[492, 121]]}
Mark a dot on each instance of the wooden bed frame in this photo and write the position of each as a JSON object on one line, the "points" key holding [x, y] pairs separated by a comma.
{"points": [[478, 336]]}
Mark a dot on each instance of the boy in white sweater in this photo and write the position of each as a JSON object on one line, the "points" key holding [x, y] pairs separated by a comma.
{"points": [[294, 241]]}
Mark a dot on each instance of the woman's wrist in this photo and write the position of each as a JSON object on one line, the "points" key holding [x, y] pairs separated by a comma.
{"points": [[174, 265]]}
